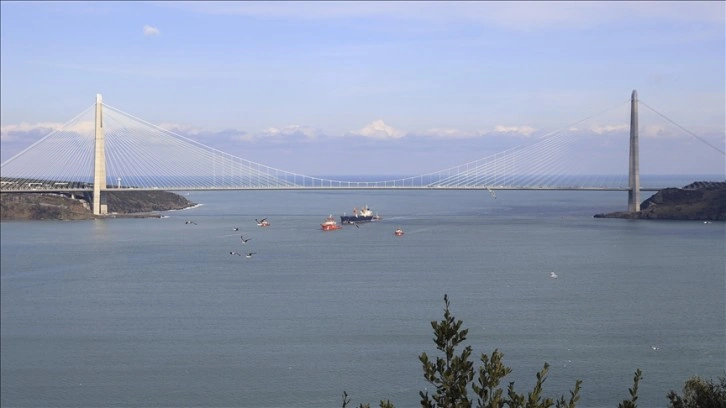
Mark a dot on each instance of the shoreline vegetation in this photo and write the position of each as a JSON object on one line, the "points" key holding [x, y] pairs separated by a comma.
{"points": [[699, 201], [67, 206]]}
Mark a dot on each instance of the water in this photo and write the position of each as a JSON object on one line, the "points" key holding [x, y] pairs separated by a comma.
{"points": [[155, 312]]}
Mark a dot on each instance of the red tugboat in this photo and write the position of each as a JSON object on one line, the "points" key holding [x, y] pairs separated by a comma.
{"points": [[398, 232], [330, 224]]}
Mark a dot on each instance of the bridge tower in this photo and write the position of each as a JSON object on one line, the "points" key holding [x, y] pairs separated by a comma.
{"points": [[99, 163], [634, 168]]}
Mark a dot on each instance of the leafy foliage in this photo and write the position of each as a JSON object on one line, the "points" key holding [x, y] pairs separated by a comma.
{"points": [[453, 373], [450, 374], [631, 403], [383, 404], [700, 393]]}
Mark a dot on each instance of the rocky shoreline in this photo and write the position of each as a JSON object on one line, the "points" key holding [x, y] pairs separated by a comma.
{"points": [[67, 206], [699, 201], [702, 201]]}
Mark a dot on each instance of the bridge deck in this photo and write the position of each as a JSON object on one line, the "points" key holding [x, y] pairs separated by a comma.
{"points": [[270, 188]]}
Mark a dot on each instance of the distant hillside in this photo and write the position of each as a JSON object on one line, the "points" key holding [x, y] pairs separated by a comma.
{"points": [[56, 206], [702, 200]]}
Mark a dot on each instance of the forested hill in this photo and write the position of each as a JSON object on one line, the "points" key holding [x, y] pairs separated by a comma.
{"points": [[702, 201], [64, 206]]}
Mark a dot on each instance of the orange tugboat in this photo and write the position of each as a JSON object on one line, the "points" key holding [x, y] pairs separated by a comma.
{"points": [[330, 224], [398, 232]]}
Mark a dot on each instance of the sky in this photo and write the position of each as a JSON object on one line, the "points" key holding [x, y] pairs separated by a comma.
{"points": [[377, 87]]}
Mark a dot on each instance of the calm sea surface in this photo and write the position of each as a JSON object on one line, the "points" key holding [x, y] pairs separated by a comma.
{"points": [[157, 313]]}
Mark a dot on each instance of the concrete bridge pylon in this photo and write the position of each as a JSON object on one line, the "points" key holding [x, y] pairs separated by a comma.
{"points": [[100, 206], [99, 163], [634, 166]]}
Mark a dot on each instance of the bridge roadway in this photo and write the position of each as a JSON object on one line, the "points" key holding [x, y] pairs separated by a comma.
{"points": [[451, 188]]}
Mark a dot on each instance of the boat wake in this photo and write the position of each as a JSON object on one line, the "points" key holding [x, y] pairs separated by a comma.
{"points": [[417, 231], [188, 208]]}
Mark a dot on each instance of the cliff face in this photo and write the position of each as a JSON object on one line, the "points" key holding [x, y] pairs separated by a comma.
{"points": [[145, 201], [47, 206], [16, 206], [703, 201]]}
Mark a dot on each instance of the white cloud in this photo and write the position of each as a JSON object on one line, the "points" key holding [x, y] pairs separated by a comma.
{"points": [[304, 132], [428, 148], [14, 132], [150, 31], [522, 130], [646, 131], [206, 136], [602, 129], [655, 131], [444, 133], [185, 130], [17, 137], [9, 132], [379, 130], [241, 137]]}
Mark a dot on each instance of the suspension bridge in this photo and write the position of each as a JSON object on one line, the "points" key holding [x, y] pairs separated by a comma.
{"points": [[117, 151]]}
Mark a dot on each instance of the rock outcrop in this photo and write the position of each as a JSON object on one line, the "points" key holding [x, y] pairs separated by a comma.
{"points": [[702, 200], [66, 206]]}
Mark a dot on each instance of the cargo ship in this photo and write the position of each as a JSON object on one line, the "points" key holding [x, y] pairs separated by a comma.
{"points": [[363, 215]]}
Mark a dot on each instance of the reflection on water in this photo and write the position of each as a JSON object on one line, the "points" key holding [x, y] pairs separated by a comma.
{"points": [[100, 229]]}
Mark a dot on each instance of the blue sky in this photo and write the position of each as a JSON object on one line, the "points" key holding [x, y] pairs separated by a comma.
{"points": [[374, 87]]}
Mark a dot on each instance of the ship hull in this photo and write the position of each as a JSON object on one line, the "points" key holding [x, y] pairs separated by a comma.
{"points": [[352, 219]]}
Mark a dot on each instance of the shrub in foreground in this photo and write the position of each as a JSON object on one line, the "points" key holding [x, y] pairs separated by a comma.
{"points": [[453, 375]]}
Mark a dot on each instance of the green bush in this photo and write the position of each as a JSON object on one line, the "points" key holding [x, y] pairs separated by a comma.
{"points": [[700, 393], [453, 375]]}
